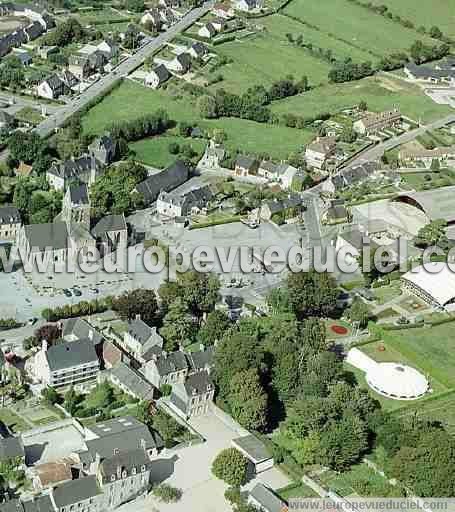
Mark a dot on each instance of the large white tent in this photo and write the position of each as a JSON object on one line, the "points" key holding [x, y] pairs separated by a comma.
{"points": [[392, 380], [433, 282]]}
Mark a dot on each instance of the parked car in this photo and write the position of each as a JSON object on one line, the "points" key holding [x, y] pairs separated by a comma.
{"points": [[77, 292], [67, 292]]}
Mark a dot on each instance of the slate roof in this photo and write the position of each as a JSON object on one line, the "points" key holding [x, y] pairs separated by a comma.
{"points": [[54, 235], [279, 205], [254, 448], [201, 359], [210, 28], [170, 363], [11, 447], [162, 73], [41, 503], [80, 328], [73, 168], [142, 332], [67, 354], [197, 197], [199, 49], [133, 381], [34, 30], [11, 506], [78, 193], [267, 499], [54, 83], [105, 142], [109, 223], [426, 72], [198, 383], [127, 461], [245, 162], [184, 59], [76, 491], [68, 78], [9, 215], [167, 179]]}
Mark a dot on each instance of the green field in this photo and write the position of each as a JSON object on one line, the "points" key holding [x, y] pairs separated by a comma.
{"points": [[432, 350], [355, 25], [12, 420], [268, 56], [155, 150], [425, 12], [380, 93], [247, 136]]}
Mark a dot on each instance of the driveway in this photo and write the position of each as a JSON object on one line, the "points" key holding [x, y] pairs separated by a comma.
{"points": [[192, 471]]}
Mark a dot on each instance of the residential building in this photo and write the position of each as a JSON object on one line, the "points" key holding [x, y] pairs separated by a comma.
{"points": [[12, 447], [71, 82], [153, 18], [85, 169], [427, 156], [50, 474], [282, 173], [24, 57], [65, 363], [213, 156], [109, 49], [130, 382], [219, 24], [208, 31], [51, 88], [372, 123], [318, 152], [245, 165], [223, 10], [198, 50], [75, 329], [202, 359], [166, 369], [194, 397], [141, 341], [157, 76], [288, 208], [181, 63], [248, 5], [86, 63], [110, 234], [10, 223], [430, 74], [168, 179], [81, 494], [104, 149], [171, 204], [255, 451], [337, 212]]}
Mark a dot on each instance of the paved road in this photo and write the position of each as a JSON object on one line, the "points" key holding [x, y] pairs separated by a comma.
{"points": [[377, 151], [123, 69]]}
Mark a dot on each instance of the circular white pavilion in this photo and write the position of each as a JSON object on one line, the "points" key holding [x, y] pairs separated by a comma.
{"points": [[392, 380]]}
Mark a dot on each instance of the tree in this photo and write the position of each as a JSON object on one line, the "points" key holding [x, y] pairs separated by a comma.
{"points": [[48, 332], [230, 466], [363, 107], [51, 396], [435, 32], [200, 291], [25, 146], [101, 397], [135, 5], [432, 234], [137, 302], [166, 426], [70, 31], [247, 400], [359, 312], [311, 293], [207, 107], [178, 327], [71, 401], [166, 493], [216, 324], [348, 135]]}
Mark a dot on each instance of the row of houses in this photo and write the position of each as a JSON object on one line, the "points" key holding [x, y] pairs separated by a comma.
{"points": [[281, 173], [442, 73], [350, 176], [40, 22]]}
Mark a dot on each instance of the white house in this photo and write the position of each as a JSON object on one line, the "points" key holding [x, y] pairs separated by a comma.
{"points": [[157, 76], [317, 153], [248, 5], [51, 88], [208, 31]]}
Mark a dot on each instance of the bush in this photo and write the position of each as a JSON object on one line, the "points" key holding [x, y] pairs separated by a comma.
{"points": [[167, 493], [166, 389], [8, 323], [230, 466]]}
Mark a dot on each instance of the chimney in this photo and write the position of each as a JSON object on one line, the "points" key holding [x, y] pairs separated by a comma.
{"points": [[138, 316], [119, 472], [44, 345], [90, 334]]}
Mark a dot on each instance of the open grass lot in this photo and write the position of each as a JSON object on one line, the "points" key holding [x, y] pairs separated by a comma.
{"points": [[441, 408], [355, 25], [297, 490], [380, 93], [155, 150], [359, 480], [425, 12], [430, 349], [247, 136], [106, 15], [268, 56], [384, 294], [12, 420]]}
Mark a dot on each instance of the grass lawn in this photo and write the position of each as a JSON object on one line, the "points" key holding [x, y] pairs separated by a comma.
{"points": [[296, 490], [360, 480], [29, 115], [384, 294], [355, 25], [154, 151], [425, 12], [387, 313], [380, 93], [12, 420], [430, 349], [105, 15], [268, 56], [247, 136]]}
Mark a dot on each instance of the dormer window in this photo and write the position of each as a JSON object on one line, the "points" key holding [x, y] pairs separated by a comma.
{"points": [[143, 469], [124, 474], [112, 478], [133, 471]]}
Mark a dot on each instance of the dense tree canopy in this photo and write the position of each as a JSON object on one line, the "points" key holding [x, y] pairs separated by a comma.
{"points": [[140, 302], [230, 466]]}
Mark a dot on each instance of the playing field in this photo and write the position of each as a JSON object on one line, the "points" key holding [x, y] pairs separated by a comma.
{"points": [[428, 13], [355, 25], [247, 136], [381, 93]]}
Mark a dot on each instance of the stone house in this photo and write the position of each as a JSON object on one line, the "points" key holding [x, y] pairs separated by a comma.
{"points": [[10, 223]]}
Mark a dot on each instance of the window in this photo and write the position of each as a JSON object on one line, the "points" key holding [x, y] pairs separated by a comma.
{"points": [[143, 469], [112, 480]]}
